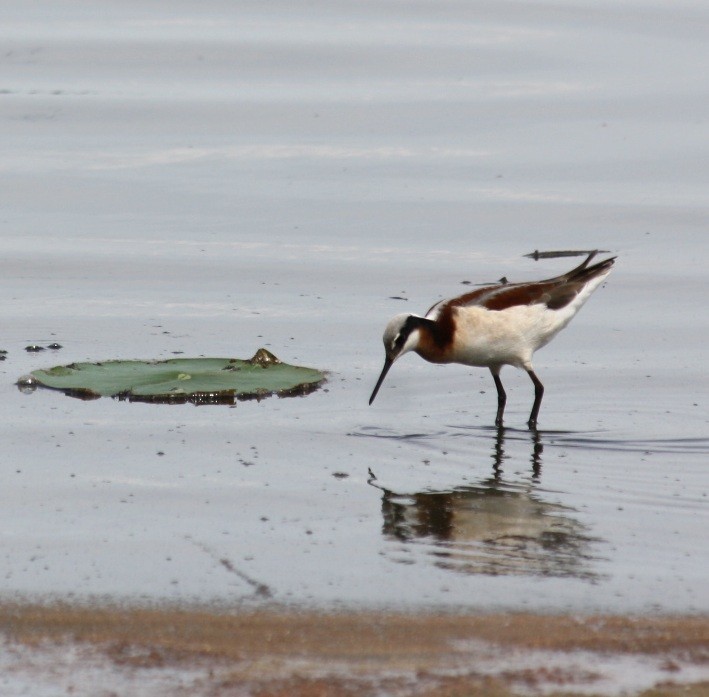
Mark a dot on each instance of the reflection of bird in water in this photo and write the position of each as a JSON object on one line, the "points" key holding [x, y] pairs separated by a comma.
{"points": [[497, 325], [491, 528]]}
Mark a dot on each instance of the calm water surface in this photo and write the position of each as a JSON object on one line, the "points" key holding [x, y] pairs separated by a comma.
{"points": [[212, 178]]}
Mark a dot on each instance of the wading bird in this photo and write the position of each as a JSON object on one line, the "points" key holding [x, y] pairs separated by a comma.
{"points": [[496, 325]]}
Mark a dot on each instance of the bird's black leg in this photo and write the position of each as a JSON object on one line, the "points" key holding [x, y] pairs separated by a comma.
{"points": [[538, 394], [501, 398]]}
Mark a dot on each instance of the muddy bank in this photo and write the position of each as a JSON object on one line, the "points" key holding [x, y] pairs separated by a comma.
{"points": [[284, 652]]}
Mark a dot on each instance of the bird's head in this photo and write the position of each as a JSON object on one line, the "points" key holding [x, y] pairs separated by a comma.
{"points": [[400, 336]]}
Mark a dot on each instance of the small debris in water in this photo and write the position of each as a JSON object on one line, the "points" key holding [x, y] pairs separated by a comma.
{"points": [[27, 384], [340, 475], [537, 255], [502, 281]]}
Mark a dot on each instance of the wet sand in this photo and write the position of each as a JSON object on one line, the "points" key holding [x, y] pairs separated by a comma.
{"points": [[285, 652]]}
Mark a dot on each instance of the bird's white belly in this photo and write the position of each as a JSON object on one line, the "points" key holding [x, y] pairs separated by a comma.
{"points": [[489, 338]]}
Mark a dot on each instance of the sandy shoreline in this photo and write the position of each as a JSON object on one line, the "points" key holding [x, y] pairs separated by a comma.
{"points": [[286, 652]]}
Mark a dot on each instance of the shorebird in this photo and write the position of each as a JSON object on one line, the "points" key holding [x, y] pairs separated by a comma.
{"points": [[496, 325]]}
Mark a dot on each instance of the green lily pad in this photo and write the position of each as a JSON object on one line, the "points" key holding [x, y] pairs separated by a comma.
{"points": [[179, 380]]}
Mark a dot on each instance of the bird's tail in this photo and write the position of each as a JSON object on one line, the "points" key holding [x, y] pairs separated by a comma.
{"points": [[584, 272]]}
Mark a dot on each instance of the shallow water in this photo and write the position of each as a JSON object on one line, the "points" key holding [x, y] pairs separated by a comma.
{"points": [[210, 180]]}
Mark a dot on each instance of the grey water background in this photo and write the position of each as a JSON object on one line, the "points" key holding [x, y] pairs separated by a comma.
{"points": [[208, 178]]}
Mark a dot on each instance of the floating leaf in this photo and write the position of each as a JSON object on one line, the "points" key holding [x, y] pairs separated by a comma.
{"points": [[179, 380]]}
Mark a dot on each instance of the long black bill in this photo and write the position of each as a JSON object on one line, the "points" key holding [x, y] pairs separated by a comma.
{"points": [[387, 364]]}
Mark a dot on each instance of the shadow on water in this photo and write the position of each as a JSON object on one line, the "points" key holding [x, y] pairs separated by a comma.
{"points": [[493, 527]]}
